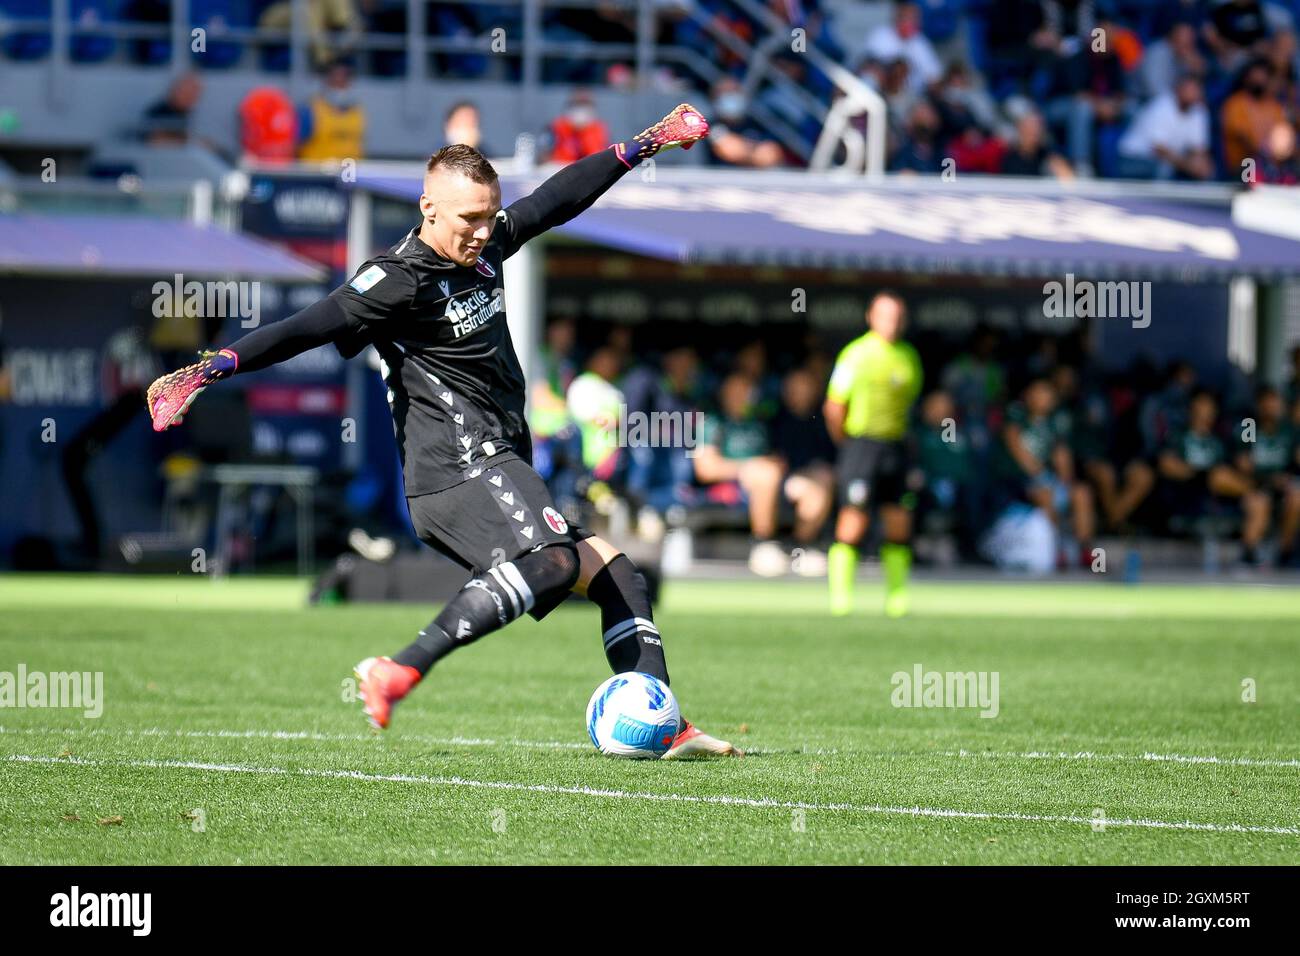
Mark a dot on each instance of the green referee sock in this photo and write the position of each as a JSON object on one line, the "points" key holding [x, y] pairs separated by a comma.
{"points": [[896, 562], [841, 566]]}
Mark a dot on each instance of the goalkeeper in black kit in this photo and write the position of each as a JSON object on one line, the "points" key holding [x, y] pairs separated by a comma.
{"points": [[433, 307]]}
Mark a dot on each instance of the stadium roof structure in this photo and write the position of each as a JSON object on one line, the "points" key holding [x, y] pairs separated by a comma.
{"points": [[127, 246], [984, 227]]}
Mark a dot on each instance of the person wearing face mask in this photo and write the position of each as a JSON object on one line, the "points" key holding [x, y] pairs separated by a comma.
{"points": [[735, 140], [918, 148], [1248, 116], [333, 124], [578, 131], [462, 125]]}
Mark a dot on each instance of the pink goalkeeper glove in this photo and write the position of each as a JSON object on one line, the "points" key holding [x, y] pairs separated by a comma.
{"points": [[684, 127], [170, 396]]}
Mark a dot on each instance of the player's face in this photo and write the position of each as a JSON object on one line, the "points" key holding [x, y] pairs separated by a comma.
{"points": [[1203, 413], [459, 215], [886, 319], [1271, 407], [1040, 399], [736, 396]]}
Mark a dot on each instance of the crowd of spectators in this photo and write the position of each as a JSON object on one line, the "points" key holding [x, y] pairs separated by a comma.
{"points": [[1146, 451], [1148, 90], [329, 126], [1165, 89]]}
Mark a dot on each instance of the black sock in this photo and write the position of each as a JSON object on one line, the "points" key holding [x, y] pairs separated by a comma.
{"points": [[491, 601], [431, 646], [632, 641]]}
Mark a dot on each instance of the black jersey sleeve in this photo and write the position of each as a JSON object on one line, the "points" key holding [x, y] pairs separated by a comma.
{"points": [[320, 323], [382, 290], [562, 197]]}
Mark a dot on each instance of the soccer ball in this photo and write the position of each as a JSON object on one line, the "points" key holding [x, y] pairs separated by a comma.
{"points": [[633, 715]]}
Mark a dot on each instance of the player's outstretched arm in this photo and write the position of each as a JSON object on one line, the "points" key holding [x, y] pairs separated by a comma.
{"points": [[170, 396], [575, 187]]}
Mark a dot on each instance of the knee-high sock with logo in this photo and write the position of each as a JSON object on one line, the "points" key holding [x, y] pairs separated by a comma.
{"points": [[632, 641], [491, 601], [841, 566]]}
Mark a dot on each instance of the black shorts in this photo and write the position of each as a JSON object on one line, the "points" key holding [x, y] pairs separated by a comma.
{"points": [[497, 516], [871, 472]]}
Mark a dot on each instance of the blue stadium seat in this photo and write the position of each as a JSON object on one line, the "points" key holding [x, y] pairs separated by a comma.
{"points": [[940, 18], [154, 50], [272, 57], [25, 44], [1107, 146], [212, 15], [87, 46], [387, 17]]}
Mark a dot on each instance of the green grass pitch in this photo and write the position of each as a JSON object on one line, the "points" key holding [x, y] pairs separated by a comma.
{"points": [[1122, 735]]}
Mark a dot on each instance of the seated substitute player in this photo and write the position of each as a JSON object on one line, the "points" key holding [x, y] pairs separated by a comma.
{"points": [[1198, 479], [1269, 458], [951, 493], [799, 436], [876, 379], [1038, 466], [434, 309], [735, 462]]}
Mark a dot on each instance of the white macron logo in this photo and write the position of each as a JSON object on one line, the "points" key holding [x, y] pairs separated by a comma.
{"points": [[103, 909]]}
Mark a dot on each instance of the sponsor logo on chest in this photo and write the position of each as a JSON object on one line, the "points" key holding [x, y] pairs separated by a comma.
{"points": [[468, 311]]}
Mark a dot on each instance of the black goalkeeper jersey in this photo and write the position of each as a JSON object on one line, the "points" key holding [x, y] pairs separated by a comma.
{"points": [[455, 385]]}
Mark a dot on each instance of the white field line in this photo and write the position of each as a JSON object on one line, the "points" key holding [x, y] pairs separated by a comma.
{"points": [[1145, 757], [296, 735], [763, 803], [1083, 755]]}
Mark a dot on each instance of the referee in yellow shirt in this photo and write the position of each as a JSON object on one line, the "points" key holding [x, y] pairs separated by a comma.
{"points": [[876, 379]]}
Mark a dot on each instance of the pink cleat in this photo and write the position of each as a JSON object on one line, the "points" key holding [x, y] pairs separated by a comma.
{"points": [[381, 683], [693, 742]]}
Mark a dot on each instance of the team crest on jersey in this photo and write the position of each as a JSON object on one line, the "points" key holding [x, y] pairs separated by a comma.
{"points": [[485, 268], [555, 521]]}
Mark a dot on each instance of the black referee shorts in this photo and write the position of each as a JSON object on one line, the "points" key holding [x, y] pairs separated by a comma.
{"points": [[503, 512], [871, 472]]}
